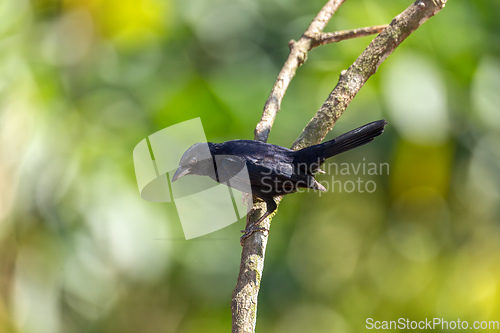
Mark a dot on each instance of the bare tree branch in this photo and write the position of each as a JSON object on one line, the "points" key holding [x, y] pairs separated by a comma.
{"points": [[352, 79], [244, 301], [297, 56]]}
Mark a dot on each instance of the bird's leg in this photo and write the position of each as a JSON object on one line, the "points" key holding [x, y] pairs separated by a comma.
{"points": [[271, 207], [252, 228]]}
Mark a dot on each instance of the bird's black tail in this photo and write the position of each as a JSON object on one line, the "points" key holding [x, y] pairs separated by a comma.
{"points": [[347, 141]]}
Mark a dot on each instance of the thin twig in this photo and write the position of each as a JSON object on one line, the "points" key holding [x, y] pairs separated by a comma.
{"points": [[244, 301], [334, 37]]}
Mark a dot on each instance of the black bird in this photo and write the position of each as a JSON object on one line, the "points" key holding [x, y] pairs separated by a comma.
{"points": [[272, 170]]}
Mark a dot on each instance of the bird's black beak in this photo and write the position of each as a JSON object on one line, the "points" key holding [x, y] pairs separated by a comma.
{"points": [[181, 171]]}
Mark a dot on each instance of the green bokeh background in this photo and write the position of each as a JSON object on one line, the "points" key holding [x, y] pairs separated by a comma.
{"points": [[83, 81]]}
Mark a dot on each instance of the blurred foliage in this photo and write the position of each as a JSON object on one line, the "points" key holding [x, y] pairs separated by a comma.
{"points": [[83, 81]]}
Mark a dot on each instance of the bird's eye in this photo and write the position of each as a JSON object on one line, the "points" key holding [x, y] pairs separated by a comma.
{"points": [[193, 160]]}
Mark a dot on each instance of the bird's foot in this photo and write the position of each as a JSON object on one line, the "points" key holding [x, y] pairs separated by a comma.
{"points": [[249, 231]]}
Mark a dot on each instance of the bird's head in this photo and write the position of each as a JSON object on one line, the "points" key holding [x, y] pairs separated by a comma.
{"points": [[197, 160]]}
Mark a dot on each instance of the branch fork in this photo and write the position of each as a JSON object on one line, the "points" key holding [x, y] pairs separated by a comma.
{"points": [[244, 300]]}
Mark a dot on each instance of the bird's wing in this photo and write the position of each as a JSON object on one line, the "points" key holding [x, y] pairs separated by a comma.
{"points": [[263, 177], [273, 166], [231, 167], [280, 172]]}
